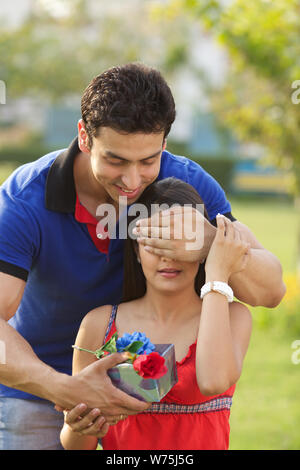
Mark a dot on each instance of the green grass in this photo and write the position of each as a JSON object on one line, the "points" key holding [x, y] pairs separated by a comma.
{"points": [[265, 414], [274, 223], [266, 411]]}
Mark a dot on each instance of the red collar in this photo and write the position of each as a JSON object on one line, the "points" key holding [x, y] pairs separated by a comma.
{"points": [[83, 216]]}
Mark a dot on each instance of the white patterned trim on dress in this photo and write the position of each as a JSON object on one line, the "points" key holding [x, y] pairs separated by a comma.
{"points": [[216, 404]]}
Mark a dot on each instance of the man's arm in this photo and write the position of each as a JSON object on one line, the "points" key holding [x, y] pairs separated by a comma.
{"points": [[23, 370], [260, 283]]}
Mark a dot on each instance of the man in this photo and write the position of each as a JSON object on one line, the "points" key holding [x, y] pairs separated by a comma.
{"points": [[54, 268]]}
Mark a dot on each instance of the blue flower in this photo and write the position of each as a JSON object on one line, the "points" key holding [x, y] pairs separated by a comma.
{"points": [[127, 339]]}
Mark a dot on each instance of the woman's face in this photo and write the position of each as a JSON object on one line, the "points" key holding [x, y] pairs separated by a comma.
{"points": [[165, 274]]}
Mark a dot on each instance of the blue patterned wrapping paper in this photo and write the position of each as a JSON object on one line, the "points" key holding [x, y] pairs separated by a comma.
{"points": [[124, 377]]}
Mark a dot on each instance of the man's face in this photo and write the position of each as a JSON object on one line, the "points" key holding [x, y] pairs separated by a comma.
{"points": [[125, 164]]}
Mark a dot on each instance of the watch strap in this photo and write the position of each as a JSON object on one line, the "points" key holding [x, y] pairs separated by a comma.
{"points": [[217, 286]]}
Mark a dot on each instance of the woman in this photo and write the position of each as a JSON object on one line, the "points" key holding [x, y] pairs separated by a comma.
{"points": [[210, 335]]}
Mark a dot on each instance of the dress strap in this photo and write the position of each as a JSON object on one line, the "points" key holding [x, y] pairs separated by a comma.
{"points": [[111, 320]]}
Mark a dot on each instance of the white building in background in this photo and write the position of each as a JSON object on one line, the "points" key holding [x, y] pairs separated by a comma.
{"points": [[14, 12], [190, 95]]}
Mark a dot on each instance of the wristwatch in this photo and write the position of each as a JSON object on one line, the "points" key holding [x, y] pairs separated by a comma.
{"points": [[217, 286]]}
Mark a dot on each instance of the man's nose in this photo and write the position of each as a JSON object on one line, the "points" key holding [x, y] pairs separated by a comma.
{"points": [[131, 178]]}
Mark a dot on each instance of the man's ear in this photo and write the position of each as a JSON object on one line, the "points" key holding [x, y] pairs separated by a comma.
{"points": [[164, 145], [83, 140]]}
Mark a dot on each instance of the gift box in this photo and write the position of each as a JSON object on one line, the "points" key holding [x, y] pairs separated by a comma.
{"points": [[124, 377]]}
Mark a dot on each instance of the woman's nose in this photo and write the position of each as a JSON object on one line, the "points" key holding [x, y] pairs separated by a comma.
{"points": [[165, 259]]}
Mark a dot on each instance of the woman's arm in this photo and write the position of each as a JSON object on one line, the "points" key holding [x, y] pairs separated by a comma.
{"points": [[89, 422], [90, 336], [93, 422], [224, 329], [223, 340]]}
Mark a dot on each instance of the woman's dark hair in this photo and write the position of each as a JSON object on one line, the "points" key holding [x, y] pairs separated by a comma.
{"points": [[168, 191], [128, 98]]}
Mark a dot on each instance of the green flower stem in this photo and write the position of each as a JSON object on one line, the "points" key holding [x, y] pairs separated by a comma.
{"points": [[83, 349]]}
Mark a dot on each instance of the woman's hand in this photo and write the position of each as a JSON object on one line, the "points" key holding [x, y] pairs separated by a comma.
{"points": [[229, 252], [93, 423]]}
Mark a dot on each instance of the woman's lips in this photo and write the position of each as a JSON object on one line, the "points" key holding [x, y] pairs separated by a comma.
{"points": [[169, 274], [129, 194]]}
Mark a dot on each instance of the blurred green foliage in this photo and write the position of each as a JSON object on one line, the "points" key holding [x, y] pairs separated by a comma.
{"points": [[287, 313], [54, 57], [24, 153], [261, 39]]}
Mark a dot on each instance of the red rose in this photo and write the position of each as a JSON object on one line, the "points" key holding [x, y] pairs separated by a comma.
{"points": [[150, 366]]}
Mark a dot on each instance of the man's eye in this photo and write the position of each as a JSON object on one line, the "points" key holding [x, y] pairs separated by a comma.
{"points": [[148, 162], [115, 162]]}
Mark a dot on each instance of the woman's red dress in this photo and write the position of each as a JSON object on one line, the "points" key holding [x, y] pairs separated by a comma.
{"points": [[183, 419]]}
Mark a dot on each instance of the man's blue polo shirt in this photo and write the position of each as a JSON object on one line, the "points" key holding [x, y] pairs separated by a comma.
{"points": [[66, 275]]}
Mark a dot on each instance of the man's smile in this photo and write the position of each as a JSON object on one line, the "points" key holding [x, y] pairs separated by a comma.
{"points": [[130, 193]]}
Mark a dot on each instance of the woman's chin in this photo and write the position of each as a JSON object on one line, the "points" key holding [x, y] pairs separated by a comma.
{"points": [[168, 287]]}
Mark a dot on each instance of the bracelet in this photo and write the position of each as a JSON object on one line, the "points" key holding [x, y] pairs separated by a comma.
{"points": [[217, 286]]}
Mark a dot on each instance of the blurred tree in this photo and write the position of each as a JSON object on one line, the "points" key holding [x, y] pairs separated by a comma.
{"points": [[53, 56], [38, 59], [260, 96]]}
